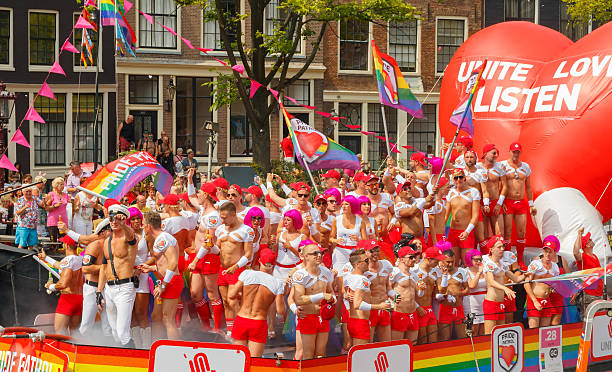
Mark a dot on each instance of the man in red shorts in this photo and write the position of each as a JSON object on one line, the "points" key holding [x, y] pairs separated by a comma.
{"points": [[258, 291], [495, 194], [404, 320], [539, 309], [235, 242], [426, 275], [452, 286], [464, 205], [380, 290]]}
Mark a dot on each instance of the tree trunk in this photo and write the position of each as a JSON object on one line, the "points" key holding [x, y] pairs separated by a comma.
{"points": [[261, 130]]}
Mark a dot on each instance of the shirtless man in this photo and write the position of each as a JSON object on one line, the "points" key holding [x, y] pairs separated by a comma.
{"points": [[452, 287], [515, 207], [312, 284], [234, 195], [409, 210], [235, 242], [92, 261], [496, 190], [463, 205], [380, 290], [417, 164], [539, 307], [476, 177], [426, 275], [331, 179], [436, 214], [176, 225], [357, 286], [258, 291], [382, 203], [116, 278], [495, 273], [70, 284], [463, 144], [405, 319]]}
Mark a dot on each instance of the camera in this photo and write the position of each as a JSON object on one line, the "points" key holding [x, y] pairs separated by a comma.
{"points": [[405, 240]]}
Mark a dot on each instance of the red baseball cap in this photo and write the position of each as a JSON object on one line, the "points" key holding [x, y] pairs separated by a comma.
{"points": [[267, 256], [492, 240], [458, 172], [406, 251], [170, 199], [516, 147], [488, 147], [418, 157], [68, 240], [326, 259], [332, 173], [585, 239], [328, 311], [370, 177], [399, 187], [185, 197], [221, 183], [434, 253], [467, 141], [359, 176], [237, 188], [109, 202], [443, 181], [210, 189], [255, 191], [368, 244], [551, 245], [297, 186], [320, 197]]}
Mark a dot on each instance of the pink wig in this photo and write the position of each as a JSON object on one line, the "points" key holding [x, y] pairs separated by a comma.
{"points": [[436, 165], [443, 245], [353, 203], [470, 254], [334, 192], [254, 212], [364, 200], [134, 213], [295, 215], [554, 240]]}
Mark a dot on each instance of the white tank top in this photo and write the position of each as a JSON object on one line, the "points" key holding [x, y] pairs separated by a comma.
{"points": [[482, 283], [275, 218], [344, 235], [285, 256], [142, 254], [371, 228]]}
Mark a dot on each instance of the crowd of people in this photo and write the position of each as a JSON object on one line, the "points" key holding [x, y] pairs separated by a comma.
{"points": [[372, 251]]}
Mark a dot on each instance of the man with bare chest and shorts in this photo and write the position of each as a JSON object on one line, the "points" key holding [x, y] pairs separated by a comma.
{"points": [[235, 242], [463, 204], [452, 287], [405, 319], [380, 290], [496, 190], [476, 177], [515, 206], [382, 203], [117, 279], [426, 275], [409, 210], [539, 307]]}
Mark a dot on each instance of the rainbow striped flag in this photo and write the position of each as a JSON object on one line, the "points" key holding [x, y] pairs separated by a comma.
{"points": [[318, 150], [86, 48], [118, 177], [112, 12], [569, 284], [393, 89]]}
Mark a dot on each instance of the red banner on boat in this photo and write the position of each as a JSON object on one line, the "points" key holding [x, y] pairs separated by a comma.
{"points": [[17, 355]]}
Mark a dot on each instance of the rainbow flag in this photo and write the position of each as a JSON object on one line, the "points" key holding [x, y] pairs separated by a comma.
{"points": [[462, 116], [86, 48], [318, 150], [393, 89], [569, 284], [117, 178], [112, 12]]}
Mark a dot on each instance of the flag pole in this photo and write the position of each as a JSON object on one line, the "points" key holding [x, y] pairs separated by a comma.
{"points": [[305, 162], [384, 120], [467, 108]]}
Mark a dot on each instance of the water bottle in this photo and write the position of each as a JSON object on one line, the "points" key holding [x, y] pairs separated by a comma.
{"points": [[49, 281]]}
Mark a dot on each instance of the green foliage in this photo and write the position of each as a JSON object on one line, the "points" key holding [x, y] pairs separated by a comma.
{"points": [[224, 90], [581, 11]]}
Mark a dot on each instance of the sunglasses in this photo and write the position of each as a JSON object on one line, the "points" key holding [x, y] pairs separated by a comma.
{"points": [[318, 253], [332, 201], [406, 188], [367, 260], [233, 195], [373, 185], [412, 257], [303, 195], [321, 202], [458, 178], [267, 265], [257, 218], [112, 215]]}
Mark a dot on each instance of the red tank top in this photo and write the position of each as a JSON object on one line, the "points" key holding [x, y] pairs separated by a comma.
{"points": [[591, 262]]}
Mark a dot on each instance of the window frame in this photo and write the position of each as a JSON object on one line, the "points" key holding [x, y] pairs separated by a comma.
{"points": [[159, 96], [536, 13], [10, 66], [298, 53], [43, 68], [157, 50], [74, 134], [79, 67], [562, 11], [238, 158], [214, 52], [393, 134], [435, 130], [338, 132], [46, 151], [368, 70], [417, 71], [465, 36], [194, 123]]}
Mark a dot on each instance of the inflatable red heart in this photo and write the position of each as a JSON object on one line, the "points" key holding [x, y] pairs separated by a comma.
{"points": [[507, 353], [309, 142], [546, 92]]}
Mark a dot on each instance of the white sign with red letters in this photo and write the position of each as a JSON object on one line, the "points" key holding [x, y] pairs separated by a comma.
{"points": [[167, 355], [391, 356]]}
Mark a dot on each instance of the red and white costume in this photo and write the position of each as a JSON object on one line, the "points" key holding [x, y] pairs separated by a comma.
{"points": [[516, 206], [68, 303], [536, 267], [175, 287], [346, 241], [312, 323], [470, 194], [358, 328], [242, 234]]}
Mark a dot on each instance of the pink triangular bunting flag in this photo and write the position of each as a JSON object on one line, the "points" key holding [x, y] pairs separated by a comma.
{"points": [[19, 138], [46, 91], [69, 47], [148, 17], [33, 115], [337, 118], [6, 164], [254, 87], [274, 92], [351, 125], [238, 68], [57, 69], [394, 149], [366, 132], [326, 114], [409, 147], [204, 50], [292, 100], [381, 138], [220, 61], [170, 30], [309, 107], [82, 23], [127, 5], [187, 42]]}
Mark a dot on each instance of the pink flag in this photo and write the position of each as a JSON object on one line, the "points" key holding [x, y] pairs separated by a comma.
{"points": [[20, 139], [395, 150], [187, 42], [220, 61], [57, 69], [292, 100], [274, 93], [238, 68], [326, 114], [366, 132], [46, 91], [309, 107], [409, 147], [127, 5], [337, 118], [204, 50], [352, 126], [254, 86], [381, 138], [82, 23], [170, 30], [69, 47], [91, 3], [6, 164], [147, 16], [33, 115]]}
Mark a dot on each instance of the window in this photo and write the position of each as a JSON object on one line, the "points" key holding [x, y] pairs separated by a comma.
{"points": [[144, 89], [83, 114], [78, 39], [42, 38], [352, 113], [569, 27], [275, 16], [450, 34], [519, 10], [300, 91], [49, 138], [403, 44], [5, 37], [377, 149], [241, 138], [212, 35], [193, 100], [352, 143], [153, 35], [421, 134], [354, 48]]}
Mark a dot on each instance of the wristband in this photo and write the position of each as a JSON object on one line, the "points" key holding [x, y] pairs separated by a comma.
{"points": [[365, 306], [168, 277], [52, 287], [73, 235], [242, 262], [531, 203], [50, 261], [186, 256], [269, 185], [316, 298], [263, 189], [214, 249], [293, 307], [416, 304], [485, 201], [469, 228], [201, 252], [391, 293], [500, 201], [393, 220], [444, 282], [420, 203], [400, 179], [387, 174], [190, 189], [286, 189]]}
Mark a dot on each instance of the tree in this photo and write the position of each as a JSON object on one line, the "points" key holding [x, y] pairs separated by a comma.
{"points": [[301, 20], [583, 11]]}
